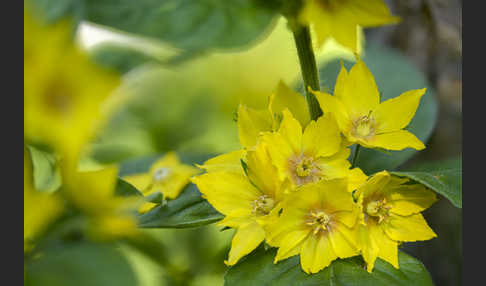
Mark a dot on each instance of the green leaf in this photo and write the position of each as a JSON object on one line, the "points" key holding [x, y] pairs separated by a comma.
{"points": [[79, 265], [187, 24], [258, 269], [394, 74], [187, 210], [125, 189], [121, 58], [51, 11], [444, 177], [46, 173]]}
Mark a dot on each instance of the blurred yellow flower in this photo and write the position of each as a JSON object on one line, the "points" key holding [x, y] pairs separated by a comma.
{"points": [[311, 155], [363, 119], [251, 122], [167, 176], [93, 192], [390, 214], [63, 90], [317, 222], [342, 19], [40, 209], [248, 199]]}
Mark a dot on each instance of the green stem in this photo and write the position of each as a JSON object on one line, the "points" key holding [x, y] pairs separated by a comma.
{"points": [[356, 153], [308, 67]]}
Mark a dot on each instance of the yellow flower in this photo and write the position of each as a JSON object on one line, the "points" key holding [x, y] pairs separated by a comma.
{"points": [[317, 222], [40, 209], [63, 90], [251, 122], [247, 199], [312, 155], [93, 192], [363, 119], [390, 214], [342, 19], [167, 176]]}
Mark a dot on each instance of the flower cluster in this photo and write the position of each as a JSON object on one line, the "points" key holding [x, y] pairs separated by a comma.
{"points": [[66, 101], [293, 187]]}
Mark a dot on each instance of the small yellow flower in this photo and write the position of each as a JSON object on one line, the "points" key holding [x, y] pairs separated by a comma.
{"points": [[251, 122], [309, 156], [363, 119], [247, 199], [167, 176], [342, 19], [63, 90], [40, 209], [390, 214], [93, 192], [317, 222]]}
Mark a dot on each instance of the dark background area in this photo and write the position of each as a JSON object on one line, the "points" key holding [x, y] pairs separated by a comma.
{"points": [[430, 35]]}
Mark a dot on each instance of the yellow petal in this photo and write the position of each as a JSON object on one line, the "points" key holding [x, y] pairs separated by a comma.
{"points": [[174, 177], [146, 207], [230, 162], [322, 137], [388, 249], [397, 140], [291, 244], [285, 97], [331, 104], [360, 94], [408, 228], [280, 152], [236, 219], [227, 191], [316, 253], [291, 131], [375, 243], [356, 178], [395, 113], [336, 166], [411, 199], [332, 194], [40, 209], [344, 241], [341, 82], [375, 183], [140, 181], [245, 240], [262, 173], [250, 123], [370, 13], [369, 246]]}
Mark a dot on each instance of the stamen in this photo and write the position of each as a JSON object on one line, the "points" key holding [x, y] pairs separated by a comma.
{"points": [[160, 174], [263, 205]]}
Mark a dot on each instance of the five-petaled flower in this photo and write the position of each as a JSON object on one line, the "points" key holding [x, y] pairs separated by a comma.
{"points": [[317, 222], [390, 214], [363, 119], [248, 198], [311, 155]]}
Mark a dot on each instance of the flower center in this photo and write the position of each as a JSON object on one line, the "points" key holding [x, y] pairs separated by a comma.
{"points": [[303, 170], [318, 221], [160, 174], [364, 127], [378, 209], [263, 205], [58, 98]]}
